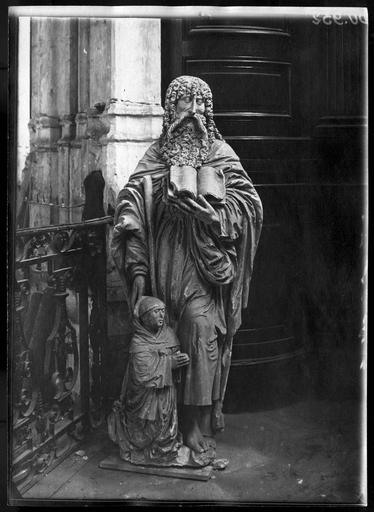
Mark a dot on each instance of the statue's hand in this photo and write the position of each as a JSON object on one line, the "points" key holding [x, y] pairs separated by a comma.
{"points": [[179, 359], [201, 209], [119, 228], [137, 292]]}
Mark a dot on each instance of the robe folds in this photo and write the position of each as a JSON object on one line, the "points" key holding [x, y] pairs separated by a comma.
{"points": [[202, 271], [144, 420]]}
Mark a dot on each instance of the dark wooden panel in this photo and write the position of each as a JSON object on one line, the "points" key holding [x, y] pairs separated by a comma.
{"points": [[284, 172], [278, 148], [230, 45], [247, 64], [242, 37], [254, 125], [254, 83], [268, 24]]}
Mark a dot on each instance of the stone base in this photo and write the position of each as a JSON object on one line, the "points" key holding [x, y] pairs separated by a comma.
{"points": [[116, 463]]}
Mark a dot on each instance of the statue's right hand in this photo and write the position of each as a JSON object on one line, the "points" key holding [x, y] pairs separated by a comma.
{"points": [[180, 359], [119, 228], [137, 292]]}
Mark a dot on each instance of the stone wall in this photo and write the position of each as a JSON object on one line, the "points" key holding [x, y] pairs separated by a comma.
{"points": [[95, 104]]}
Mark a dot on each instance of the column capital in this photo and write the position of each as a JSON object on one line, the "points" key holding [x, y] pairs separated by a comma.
{"points": [[131, 121]]}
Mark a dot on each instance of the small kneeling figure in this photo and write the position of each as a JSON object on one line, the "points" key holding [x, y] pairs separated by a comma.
{"points": [[144, 420]]}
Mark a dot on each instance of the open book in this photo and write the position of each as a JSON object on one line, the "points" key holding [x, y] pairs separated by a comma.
{"points": [[186, 181]]}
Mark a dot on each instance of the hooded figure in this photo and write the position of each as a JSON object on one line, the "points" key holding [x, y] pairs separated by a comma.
{"points": [[144, 420], [201, 254]]}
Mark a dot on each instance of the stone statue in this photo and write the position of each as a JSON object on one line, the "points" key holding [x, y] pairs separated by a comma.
{"points": [[192, 246], [144, 420]]}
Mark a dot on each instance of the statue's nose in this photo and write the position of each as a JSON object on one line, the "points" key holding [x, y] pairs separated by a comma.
{"points": [[193, 106]]}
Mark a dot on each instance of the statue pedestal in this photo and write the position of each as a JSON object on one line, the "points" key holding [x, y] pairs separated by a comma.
{"points": [[116, 463]]}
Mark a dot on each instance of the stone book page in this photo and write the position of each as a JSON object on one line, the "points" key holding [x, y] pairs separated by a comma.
{"points": [[211, 184], [183, 181]]}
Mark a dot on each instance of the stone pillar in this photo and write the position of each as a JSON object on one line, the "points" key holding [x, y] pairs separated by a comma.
{"points": [[94, 71], [134, 113], [44, 124], [23, 110], [53, 103], [67, 92]]}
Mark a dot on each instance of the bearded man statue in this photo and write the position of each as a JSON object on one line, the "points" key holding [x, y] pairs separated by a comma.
{"points": [[194, 255]]}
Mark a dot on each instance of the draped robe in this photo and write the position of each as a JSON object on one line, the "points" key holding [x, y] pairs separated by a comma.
{"points": [[144, 420], [202, 271]]}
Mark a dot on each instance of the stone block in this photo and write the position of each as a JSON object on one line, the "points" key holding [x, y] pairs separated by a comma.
{"points": [[119, 162], [136, 59], [128, 121], [39, 214]]}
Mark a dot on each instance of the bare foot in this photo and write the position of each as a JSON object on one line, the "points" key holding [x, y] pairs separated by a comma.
{"points": [[194, 439], [205, 421]]}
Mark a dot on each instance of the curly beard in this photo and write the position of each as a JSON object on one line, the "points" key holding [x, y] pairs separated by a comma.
{"points": [[187, 141]]}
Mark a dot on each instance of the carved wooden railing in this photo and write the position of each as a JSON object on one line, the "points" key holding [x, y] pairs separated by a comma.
{"points": [[58, 340]]}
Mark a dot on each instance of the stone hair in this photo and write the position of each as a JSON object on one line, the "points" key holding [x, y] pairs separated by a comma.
{"points": [[183, 86]]}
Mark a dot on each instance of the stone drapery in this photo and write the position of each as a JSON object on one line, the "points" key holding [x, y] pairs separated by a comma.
{"points": [[202, 273]]}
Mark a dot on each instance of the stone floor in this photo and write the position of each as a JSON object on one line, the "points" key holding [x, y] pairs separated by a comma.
{"points": [[305, 452]]}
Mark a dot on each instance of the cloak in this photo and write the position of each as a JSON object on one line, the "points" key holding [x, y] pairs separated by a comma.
{"points": [[144, 419], [196, 264]]}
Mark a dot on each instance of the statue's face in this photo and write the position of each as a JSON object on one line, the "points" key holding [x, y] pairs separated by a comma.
{"points": [[190, 104], [153, 320]]}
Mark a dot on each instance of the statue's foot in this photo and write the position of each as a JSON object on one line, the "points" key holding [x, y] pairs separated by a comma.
{"points": [[205, 421], [195, 440], [206, 429], [207, 432]]}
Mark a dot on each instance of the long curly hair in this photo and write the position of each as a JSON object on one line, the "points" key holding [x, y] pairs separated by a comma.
{"points": [[182, 86]]}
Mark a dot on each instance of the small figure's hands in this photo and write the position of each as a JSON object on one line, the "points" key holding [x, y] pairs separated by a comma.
{"points": [[202, 210], [179, 359], [137, 292]]}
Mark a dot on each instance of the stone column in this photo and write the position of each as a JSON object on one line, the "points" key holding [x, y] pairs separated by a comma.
{"points": [[134, 113], [94, 70], [67, 92], [23, 110], [44, 124], [53, 103]]}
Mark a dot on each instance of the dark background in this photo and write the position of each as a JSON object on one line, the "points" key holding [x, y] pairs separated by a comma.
{"points": [[289, 98]]}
